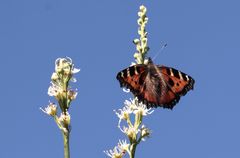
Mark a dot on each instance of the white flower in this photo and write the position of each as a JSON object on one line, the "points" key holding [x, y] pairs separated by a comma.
{"points": [[51, 109], [64, 118], [142, 109], [66, 66], [54, 90], [62, 63], [123, 145], [115, 153], [131, 105], [131, 132], [124, 113]]}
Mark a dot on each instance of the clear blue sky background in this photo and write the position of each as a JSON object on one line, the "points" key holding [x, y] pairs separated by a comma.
{"points": [[203, 40]]}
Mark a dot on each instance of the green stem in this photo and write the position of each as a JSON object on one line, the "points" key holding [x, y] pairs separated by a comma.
{"points": [[66, 144], [138, 120], [132, 150]]}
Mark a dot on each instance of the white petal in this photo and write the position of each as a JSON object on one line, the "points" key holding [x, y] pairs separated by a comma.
{"points": [[126, 90], [75, 70], [73, 79]]}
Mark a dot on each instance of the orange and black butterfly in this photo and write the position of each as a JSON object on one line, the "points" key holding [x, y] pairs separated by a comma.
{"points": [[156, 85]]}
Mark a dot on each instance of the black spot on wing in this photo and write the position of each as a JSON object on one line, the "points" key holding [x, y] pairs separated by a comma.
{"points": [[168, 71], [125, 72], [132, 70], [184, 77], [176, 73], [138, 69], [170, 82]]}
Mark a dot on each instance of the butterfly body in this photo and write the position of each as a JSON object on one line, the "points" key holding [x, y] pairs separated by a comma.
{"points": [[156, 85]]}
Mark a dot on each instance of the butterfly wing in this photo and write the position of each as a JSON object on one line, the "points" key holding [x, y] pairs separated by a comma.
{"points": [[177, 83], [133, 78]]}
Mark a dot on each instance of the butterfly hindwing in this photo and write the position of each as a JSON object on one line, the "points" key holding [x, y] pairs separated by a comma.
{"points": [[156, 91]]}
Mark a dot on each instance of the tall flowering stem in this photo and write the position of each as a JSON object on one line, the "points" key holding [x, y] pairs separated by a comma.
{"points": [[64, 94], [141, 43], [130, 123], [131, 115]]}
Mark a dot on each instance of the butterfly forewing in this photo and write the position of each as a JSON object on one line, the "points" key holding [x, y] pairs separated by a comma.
{"points": [[179, 82], [133, 78]]}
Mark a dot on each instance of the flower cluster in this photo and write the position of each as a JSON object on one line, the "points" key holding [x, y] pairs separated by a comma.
{"points": [[61, 90], [141, 43], [118, 151], [134, 130]]}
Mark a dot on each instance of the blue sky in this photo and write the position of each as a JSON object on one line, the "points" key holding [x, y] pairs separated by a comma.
{"points": [[203, 41]]}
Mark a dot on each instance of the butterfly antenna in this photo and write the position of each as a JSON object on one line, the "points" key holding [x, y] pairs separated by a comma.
{"points": [[161, 49]]}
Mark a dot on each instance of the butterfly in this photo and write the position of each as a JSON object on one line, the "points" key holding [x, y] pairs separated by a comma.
{"points": [[155, 85]]}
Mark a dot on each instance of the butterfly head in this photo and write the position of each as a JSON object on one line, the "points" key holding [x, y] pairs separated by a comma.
{"points": [[149, 61]]}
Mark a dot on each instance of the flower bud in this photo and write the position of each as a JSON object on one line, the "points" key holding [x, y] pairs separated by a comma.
{"points": [[136, 41], [143, 9], [140, 21], [72, 94], [145, 132], [54, 76]]}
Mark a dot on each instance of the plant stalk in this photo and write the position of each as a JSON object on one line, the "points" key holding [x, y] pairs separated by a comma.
{"points": [[132, 150], [66, 144]]}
